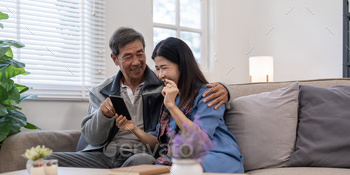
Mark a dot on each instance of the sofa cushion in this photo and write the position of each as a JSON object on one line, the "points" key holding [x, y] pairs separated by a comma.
{"points": [[324, 127], [265, 126]]}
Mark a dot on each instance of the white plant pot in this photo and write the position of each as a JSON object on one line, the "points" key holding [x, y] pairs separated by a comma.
{"points": [[35, 167], [186, 167]]}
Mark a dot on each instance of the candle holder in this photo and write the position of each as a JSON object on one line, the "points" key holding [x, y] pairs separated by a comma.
{"points": [[51, 167]]}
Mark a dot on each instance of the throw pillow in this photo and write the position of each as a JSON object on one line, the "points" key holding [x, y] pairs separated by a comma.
{"points": [[323, 137], [265, 126]]}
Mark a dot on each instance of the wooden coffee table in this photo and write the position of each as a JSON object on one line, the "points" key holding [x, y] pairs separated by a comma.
{"points": [[84, 171]]}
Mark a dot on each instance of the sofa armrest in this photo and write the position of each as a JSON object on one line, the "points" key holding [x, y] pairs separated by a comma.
{"points": [[14, 146]]}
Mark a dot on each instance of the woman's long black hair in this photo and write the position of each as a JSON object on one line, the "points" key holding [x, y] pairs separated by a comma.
{"points": [[178, 52]]}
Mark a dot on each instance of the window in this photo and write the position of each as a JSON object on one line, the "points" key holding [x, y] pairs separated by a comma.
{"points": [[184, 19], [346, 40], [64, 44]]}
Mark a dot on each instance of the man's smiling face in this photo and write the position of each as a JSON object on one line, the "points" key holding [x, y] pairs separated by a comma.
{"points": [[131, 61]]}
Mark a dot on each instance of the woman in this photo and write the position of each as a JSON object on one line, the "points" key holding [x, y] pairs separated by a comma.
{"points": [[184, 85]]}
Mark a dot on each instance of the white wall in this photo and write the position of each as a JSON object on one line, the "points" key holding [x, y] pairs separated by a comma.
{"points": [[231, 41], [300, 43], [304, 44], [131, 13], [55, 115]]}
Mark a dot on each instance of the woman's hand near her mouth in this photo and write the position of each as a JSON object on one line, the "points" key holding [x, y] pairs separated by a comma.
{"points": [[169, 92]]}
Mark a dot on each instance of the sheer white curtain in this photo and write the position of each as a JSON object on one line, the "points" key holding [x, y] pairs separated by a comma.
{"points": [[64, 44]]}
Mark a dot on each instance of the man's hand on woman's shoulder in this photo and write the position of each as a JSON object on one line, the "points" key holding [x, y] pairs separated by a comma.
{"points": [[218, 93]]}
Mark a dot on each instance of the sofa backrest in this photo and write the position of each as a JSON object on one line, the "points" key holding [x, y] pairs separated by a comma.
{"points": [[14, 146], [239, 90]]}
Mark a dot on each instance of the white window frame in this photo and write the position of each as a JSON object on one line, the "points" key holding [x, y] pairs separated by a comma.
{"points": [[89, 67], [203, 31]]}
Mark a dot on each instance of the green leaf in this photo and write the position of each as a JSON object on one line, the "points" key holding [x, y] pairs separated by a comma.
{"points": [[19, 116], [7, 83], [21, 88], [4, 131], [3, 66], [9, 53], [3, 16], [3, 93], [31, 126], [8, 102], [14, 94], [12, 71], [1, 25], [14, 63], [3, 110], [15, 124], [12, 107], [26, 96], [14, 43], [3, 49]]}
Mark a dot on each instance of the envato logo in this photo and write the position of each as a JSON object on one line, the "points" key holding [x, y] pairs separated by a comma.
{"points": [[184, 150]]}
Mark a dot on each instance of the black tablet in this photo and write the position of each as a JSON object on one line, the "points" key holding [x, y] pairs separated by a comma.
{"points": [[119, 106]]}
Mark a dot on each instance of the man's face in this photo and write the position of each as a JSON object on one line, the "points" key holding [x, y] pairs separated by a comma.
{"points": [[131, 61]]}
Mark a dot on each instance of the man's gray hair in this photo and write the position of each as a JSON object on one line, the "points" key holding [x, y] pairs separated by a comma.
{"points": [[123, 36]]}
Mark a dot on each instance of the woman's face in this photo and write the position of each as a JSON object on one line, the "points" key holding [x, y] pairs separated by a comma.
{"points": [[166, 69]]}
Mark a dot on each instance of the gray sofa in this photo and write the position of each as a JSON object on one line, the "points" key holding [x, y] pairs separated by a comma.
{"points": [[268, 148]]}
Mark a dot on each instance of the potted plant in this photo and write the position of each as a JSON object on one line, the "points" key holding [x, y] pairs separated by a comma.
{"points": [[187, 147], [36, 164], [11, 93]]}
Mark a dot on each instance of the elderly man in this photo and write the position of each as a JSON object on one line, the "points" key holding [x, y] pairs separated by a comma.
{"points": [[140, 88]]}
